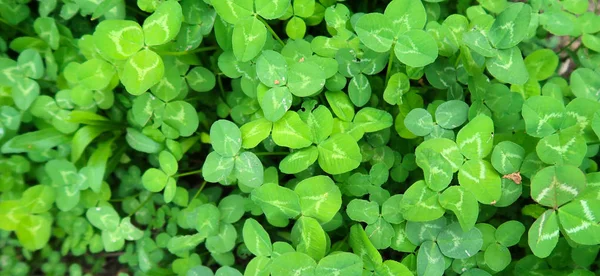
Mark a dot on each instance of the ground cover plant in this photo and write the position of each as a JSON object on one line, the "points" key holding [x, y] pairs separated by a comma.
{"points": [[299, 137]]}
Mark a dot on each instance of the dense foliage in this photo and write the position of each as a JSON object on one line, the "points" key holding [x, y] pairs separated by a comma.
{"points": [[299, 137]]}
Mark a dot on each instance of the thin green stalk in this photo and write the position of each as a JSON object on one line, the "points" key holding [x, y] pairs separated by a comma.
{"points": [[389, 66], [23, 31], [136, 11], [199, 190], [339, 244], [122, 199], [195, 51], [271, 30], [140, 206], [188, 173], [567, 46], [221, 89], [266, 153]]}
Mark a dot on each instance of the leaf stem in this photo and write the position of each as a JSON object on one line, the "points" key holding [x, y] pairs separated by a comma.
{"points": [[567, 46], [266, 153], [140, 206], [23, 31], [390, 63], [197, 50], [271, 30], [188, 173], [199, 190]]}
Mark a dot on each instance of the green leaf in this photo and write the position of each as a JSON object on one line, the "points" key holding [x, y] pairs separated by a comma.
{"points": [[543, 115], [293, 263], [163, 25], [217, 168], [168, 163], [339, 154], [477, 41], [34, 231], [141, 142], [390, 210], [359, 90], [95, 169], [38, 199], [256, 238], [249, 170], [406, 15], [511, 26], [290, 131], [362, 246], [556, 185], [181, 116], [249, 37], [567, 147], [451, 114], [497, 257], [541, 64], [295, 28], [458, 244], [278, 203], [207, 220], [47, 30], [419, 121], [118, 39], [255, 132], [201, 79], [224, 241], [154, 180], [35, 141], [129, 231], [380, 233], [30, 64], [299, 161], [446, 147], [507, 157], [320, 122], [508, 66], [375, 31], [543, 234], [276, 102], [309, 237], [340, 105], [11, 213], [509, 233], [585, 83], [430, 260], [232, 208], [24, 92], [95, 74], [464, 205], [416, 48], [373, 120], [578, 220], [305, 79], [232, 11], [420, 203], [272, 69], [480, 178], [436, 170], [271, 9], [226, 138], [340, 263], [141, 71], [319, 197], [103, 217], [476, 138], [397, 86], [363, 211]]}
